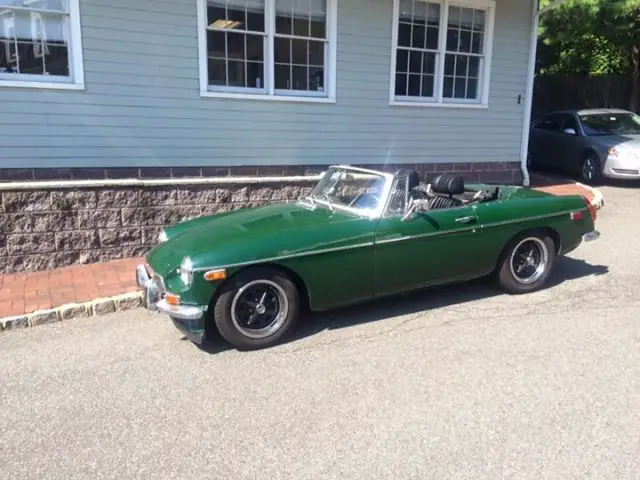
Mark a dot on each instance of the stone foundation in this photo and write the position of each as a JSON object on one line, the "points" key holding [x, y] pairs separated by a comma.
{"points": [[60, 221]]}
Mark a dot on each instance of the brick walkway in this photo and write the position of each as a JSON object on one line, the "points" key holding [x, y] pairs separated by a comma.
{"points": [[25, 293]]}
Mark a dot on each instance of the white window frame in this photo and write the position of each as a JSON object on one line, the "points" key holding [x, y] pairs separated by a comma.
{"points": [[75, 80], [489, 6], [270, 92]]}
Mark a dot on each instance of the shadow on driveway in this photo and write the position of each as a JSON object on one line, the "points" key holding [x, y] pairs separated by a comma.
{"points": [[566, 269]]}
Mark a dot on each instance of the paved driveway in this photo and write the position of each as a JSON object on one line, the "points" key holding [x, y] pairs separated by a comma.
{"points": [[459, 383]]}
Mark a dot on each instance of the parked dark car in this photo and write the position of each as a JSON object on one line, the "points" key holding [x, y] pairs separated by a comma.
{"points": [[594, 144]]}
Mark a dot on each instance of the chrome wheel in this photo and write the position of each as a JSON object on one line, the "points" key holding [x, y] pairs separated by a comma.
{"points": [[259, 308], [529, 260], [589, 169]]}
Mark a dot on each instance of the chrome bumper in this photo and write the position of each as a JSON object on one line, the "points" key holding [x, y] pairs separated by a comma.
{"points": [[591, 236], [154, 297]]}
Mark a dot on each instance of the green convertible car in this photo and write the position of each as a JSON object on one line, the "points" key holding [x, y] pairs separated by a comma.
{"points": [[360, 234]]}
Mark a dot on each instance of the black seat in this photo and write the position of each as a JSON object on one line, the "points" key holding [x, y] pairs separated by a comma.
{"points": [[445, 186]]}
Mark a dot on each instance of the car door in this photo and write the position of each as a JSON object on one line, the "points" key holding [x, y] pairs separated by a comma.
{"points": [[439, 246], [544, 140], [569, 149]]}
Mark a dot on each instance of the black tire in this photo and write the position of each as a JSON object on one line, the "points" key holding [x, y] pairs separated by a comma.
{"points": [[516, 281], [590, 170], [233, 306]]}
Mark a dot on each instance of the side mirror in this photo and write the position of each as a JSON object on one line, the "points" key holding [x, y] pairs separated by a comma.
{"points": [[569, 131]]}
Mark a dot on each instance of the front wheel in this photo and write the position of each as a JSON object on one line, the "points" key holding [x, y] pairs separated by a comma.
{"points": [[590, 170], [527, 263], [257, 308]]}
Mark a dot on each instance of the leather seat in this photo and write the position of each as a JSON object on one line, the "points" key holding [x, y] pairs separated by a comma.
{"points": [[445, 186]]}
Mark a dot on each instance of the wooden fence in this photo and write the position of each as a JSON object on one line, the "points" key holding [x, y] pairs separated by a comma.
{"points": [[560, 92]]}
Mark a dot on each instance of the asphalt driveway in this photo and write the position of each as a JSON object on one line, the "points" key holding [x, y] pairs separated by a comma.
{"points": [[462, 382]]}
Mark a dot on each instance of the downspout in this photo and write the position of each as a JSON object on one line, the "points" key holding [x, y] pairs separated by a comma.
{"points": [[531, 72]]}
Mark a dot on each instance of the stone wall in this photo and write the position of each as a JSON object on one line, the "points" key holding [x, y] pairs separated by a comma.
{"points": [[49, 224]]}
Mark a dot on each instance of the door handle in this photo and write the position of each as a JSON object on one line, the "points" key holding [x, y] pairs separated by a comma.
{"points": [[465, 219]]}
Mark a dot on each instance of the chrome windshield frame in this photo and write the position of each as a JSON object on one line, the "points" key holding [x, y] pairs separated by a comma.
{"points": [[367, 213]]}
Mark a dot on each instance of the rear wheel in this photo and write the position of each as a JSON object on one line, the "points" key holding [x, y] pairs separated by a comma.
{"points": [[527, 263], [257, 308]]}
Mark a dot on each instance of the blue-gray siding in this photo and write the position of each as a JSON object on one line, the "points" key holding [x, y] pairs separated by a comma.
{"points": [[142, 105]]}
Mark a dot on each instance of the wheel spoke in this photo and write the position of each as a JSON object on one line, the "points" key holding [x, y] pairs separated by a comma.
{"points": [[252, 318]]}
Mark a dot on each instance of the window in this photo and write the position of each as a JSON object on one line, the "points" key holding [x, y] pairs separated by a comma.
{"points": [[281, 49], [40, 44], [441, 52], [570, 122], [596, 124], [551, 123]]}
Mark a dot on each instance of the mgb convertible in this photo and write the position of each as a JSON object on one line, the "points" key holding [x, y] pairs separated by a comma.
{"points": [[360, 234]]}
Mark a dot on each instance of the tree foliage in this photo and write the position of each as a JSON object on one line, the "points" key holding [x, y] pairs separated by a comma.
{"points": [[592, 37]]}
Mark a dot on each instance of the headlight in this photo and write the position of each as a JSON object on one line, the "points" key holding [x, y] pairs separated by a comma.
{"points": [[186, 271], [162, 237], [622, 152]]}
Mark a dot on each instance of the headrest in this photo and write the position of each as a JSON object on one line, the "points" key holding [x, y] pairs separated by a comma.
{"points": [[447, 184], [414, 180]]}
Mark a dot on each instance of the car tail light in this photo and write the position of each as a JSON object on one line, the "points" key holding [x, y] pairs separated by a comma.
{"points": [[579, 215]]}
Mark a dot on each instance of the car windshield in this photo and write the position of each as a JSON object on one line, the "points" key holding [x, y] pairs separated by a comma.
{"points": [[610, 124], [350, 189]]}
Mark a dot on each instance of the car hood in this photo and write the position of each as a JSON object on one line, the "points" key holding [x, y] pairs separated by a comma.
{"points": [[627, 141], [251, 234]]}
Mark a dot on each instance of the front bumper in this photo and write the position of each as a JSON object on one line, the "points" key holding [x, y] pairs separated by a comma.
{"points": [[622, 168], [186, 318]]}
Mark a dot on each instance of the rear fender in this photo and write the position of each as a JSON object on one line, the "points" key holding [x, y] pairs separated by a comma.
{"points": [[502, 221]]}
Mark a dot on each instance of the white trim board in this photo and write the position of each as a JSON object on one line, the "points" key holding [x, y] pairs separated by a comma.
{"points": [[135, 182]]}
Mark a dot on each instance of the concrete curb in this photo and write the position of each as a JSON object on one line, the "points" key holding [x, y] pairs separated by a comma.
{"points": [[100, 306]]}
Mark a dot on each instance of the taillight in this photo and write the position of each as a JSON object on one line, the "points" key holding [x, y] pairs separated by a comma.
{"points": [[592, 210]]}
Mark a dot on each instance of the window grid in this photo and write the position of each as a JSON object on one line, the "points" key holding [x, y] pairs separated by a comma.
{"points": [[460, 53], [405, 47], [453, 83], [302, 69], [233, 27]]}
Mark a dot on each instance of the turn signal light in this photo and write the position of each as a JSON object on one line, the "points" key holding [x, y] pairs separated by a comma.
{"points": [[213, 275], [172, 299]]}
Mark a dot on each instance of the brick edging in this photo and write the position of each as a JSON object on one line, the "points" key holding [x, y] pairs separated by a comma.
{"points": [[92, 308]]}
